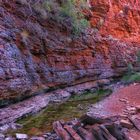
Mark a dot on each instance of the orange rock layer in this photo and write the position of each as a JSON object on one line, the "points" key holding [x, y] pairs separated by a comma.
{"points": [[38, 53], [118, 18]]}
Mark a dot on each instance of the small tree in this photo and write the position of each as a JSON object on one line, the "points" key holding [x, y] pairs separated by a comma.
{"points": [[73, 9]]}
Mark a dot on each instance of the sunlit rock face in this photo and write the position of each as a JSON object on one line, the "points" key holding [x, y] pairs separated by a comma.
{"points": [[119, 18], [36, 52]]}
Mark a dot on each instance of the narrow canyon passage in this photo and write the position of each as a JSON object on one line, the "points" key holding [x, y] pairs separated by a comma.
{"points": [[69, 70]]}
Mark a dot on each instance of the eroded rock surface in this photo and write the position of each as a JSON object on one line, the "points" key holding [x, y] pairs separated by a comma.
{"points": [[119, 18], [39, 53], [115, 118], [124, 103]]}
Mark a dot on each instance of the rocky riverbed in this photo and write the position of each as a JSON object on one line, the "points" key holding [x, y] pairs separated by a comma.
{"points": [[101, 122], [41, 123], [61, 104], [114, 118]]}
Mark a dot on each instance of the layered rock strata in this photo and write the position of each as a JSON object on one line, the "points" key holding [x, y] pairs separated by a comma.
{"points": [[37, 52]]}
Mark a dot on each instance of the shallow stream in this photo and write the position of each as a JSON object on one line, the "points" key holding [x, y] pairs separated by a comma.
{"points": [[75, 107]]}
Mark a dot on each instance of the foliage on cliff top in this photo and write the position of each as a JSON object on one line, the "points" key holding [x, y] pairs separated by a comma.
{"points": [[73, 10], [62, 11], [69, 11]]}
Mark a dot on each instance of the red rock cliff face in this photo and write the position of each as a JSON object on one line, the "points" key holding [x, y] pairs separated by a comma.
{"points": [[38, 53], [119, 18]]}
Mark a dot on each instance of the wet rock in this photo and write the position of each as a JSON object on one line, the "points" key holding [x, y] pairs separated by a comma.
{"points": [[126, 124], [21, 136]]}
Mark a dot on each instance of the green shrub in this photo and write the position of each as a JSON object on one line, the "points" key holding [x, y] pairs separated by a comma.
{"points": [[79, 23], [48, 4], [131, 78], [72, 10], [62, 11], [132, 75]]}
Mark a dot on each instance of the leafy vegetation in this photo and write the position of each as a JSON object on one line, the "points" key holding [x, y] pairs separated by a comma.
{"points": [[130, 78], [73, 10], [70, 11]]}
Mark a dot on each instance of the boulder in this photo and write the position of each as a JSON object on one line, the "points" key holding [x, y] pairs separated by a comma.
{"points": [[136, 121], [126, 124]]}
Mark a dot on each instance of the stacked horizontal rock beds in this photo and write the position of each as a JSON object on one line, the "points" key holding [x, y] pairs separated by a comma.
{"points": [[119, 127], [89, 128], [94, 128]]}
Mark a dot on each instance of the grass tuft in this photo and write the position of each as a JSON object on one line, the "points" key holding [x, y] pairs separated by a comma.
{"points": [[131, 78]]}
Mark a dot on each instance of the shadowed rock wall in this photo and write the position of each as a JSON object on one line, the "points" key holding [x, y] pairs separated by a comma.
{"points": [[38, 53]]}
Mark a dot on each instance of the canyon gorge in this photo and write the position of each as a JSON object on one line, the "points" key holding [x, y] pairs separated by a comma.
{"points": [[37, 53], [39, 56]]}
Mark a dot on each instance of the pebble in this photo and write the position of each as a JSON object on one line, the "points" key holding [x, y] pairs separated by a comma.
{"points": [[21, 136], [37, 138], [56, 101], [124, 100], [132, 110], [126, 124]]}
